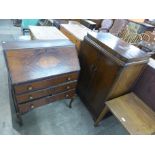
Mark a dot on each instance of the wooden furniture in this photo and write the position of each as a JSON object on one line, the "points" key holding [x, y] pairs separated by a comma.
{"points": [[75, 32], [151, 22], [148, 47], [151, 35], [98, 22], [45, 22], [133, 114], [142, 27], [137, 20], [136, 110], [45, 33], [145, 86], [88, 23], [131, 37], [109, 68], [124, 33], [58, 22], [145, 37], [40, 72]]}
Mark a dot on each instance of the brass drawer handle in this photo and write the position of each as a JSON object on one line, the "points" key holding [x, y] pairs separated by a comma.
{"points": [[68, 78], [29, 88], [30, 97], [68, 87], [32, 106], [67, 96]]}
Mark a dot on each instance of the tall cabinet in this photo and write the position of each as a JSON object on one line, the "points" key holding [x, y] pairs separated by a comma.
{"points": [[109, 68]]}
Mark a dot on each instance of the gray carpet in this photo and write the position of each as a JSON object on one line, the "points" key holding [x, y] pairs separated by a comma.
{"points": [[55, 118]]}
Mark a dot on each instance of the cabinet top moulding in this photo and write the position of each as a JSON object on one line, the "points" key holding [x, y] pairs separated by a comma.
{"points": [[117, 48]]}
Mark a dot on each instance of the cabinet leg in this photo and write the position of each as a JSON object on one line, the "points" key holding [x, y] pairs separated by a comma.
{"points": [[19, 119], [70, 103], [100, 117]]}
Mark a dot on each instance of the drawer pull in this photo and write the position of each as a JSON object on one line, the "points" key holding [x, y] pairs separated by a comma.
{"points": [[68, 87], [67, 96], [68, 78], [30, 97], [32, 106], [29, 87]]}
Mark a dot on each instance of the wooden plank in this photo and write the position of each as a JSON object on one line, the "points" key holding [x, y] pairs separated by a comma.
{"points": [[77, 30], [46, 33], [133, 113]]}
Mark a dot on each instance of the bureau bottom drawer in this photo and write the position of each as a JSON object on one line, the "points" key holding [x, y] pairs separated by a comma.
{"points": [[23, 108]]}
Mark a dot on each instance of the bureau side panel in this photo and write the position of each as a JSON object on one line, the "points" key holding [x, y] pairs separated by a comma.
{"points": [[127, 79]]}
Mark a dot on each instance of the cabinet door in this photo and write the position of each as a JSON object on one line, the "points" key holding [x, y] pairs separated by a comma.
{"points": [[104, 77], [88, 58]]}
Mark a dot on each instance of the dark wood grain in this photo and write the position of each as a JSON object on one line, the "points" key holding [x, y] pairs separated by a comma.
{"points": [[40, 72], [133, 114], [107, 70], [45, 92], [117, 47], [145, 86], [34, 44], [23, 108], [44, 83], [31, 64]]}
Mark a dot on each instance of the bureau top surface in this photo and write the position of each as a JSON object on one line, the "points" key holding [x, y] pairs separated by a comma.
{"points": [[76, 29], [118, 48], [30, 64], [46, 33]]}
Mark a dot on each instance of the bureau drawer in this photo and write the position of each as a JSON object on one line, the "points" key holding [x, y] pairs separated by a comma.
{"points": [[41, 84], [23, 108], [45, 92]]}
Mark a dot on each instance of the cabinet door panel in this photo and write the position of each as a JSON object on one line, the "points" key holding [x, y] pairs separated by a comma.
{"points": [[88, 59], [102, 82]]}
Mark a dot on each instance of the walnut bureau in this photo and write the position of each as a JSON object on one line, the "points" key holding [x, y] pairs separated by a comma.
{"points": [[40, 72], [109, 69], [46, 33], [75, 32]]}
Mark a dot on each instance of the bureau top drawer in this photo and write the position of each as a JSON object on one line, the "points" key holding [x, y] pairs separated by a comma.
{"points": [[45, 83]]}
